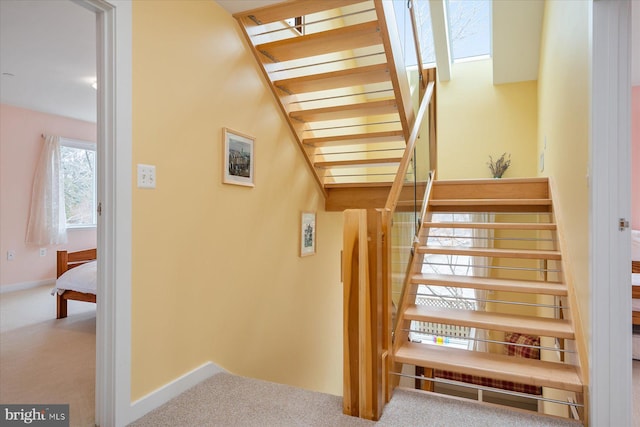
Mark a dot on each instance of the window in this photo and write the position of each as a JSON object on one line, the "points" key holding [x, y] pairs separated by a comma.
{"points": [[469, 24], [78, 168]]}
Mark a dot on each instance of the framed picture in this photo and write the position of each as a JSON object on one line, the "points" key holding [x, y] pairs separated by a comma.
{"points": [[238, 158], [308, 234]]}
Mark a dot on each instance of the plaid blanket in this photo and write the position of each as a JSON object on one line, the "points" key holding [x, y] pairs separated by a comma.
{"points": [[515, 348]]}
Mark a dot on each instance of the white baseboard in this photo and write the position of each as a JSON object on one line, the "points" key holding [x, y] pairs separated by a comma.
{"points": [[159, 397], [26, 285]]}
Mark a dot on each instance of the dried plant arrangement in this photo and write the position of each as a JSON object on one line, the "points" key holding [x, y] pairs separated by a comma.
{"points": [[499, 166]]}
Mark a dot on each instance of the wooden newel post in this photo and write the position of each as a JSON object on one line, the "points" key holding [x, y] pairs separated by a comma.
{"points": [[365, 327]]}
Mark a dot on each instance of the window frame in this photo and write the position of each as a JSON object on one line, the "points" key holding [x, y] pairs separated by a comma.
{"points": [[88, 146]]}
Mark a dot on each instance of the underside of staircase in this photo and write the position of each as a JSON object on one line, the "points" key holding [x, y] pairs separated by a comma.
{"points": [[487, 267], [342, 88]]}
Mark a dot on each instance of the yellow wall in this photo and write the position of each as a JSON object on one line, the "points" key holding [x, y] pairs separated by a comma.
{"points": [[477, 119], [564, 104], [216, 272]]}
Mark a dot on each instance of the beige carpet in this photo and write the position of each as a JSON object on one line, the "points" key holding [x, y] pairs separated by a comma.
{"points": [[44, 360], [229, 400]]}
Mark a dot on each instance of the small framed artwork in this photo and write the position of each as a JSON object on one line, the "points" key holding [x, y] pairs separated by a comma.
{"points": [[238, 158], [308, 234]]}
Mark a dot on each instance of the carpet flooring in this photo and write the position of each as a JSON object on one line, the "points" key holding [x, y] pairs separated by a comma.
{"points": [[44, 360], [230, 400]]}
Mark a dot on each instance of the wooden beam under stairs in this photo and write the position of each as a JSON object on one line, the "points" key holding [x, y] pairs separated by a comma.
{"points": [[336, 79], [533, 325], [491, 284], [292, 9], [528, 371], [348, 111], [353, 139], [338, 40], [358, 162]]}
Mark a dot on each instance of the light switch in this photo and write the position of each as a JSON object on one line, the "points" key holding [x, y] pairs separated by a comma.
{"points": [[146, 176]]}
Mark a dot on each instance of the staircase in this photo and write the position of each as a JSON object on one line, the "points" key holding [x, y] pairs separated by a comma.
{"points": [[487, 265], [337, 72], [488, 261]]}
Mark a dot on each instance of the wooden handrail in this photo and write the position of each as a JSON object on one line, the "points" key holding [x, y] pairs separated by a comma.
{"points": [[398, 182], [397, 69]]}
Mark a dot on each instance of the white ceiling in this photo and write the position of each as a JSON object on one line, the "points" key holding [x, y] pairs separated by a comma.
{"points": [[48, 57], [48, 48]]}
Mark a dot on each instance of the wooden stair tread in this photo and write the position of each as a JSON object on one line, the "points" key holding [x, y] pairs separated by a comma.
{"points": [[532, 325], [361, 109], [286, 10], [493, 225], [335, 79], [491, 284], [499, 366], [485, 202], [337, 40], [360, 138], [358, 162], [491, 252]]}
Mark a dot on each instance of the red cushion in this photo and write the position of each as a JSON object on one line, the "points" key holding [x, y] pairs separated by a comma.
{"points": [[520, 350]]}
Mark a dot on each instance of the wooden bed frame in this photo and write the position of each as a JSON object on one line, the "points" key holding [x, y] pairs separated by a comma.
{"points": [[635, 293], [66, 261]]}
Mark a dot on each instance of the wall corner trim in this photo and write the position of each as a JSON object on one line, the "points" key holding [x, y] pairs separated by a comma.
{"points": [[162, 395]]}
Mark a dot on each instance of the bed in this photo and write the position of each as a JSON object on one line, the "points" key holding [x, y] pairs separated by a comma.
{"points": [[76, 278], [635, 292], [635, 276]]}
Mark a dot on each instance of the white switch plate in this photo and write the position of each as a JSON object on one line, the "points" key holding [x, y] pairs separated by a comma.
{"points": [[11, 255], [146, 176]]}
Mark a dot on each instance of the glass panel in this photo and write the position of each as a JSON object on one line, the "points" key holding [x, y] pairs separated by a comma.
{"points": [[469, 23], [425, 32], [78, 171]]}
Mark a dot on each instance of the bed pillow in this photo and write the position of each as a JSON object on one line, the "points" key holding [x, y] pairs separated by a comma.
{"points": [[635, 245], [519, 350], [82, 278]]}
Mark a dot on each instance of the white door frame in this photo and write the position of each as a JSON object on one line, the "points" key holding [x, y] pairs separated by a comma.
{"points": [[113, 311], [611, 395]]}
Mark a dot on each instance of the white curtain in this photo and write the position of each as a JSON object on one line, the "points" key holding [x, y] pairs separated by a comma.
{"points": [[482, 238], [47, 219]]}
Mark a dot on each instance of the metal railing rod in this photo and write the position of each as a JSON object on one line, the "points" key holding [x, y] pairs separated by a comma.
{"points": [[359, 152], [485, 388], [527, 304], [518, 239], [496, 267], [493, 341], [352, 126], [319, 21], [327, 98], [315, 64]]}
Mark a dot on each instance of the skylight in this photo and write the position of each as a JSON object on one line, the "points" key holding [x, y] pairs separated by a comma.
{"points": [[423, 17], [469, 24]]}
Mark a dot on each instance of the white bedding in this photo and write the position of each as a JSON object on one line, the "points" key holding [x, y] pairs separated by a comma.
{"points": [[81, 279]]}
